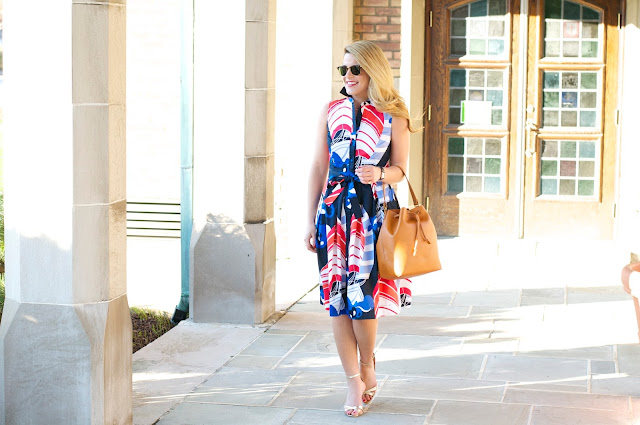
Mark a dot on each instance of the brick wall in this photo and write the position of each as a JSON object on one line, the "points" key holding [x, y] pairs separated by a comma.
{"points": [[379, 21]]}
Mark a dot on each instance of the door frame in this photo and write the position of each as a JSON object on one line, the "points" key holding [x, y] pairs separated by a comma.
{"points": [[519, 87]]}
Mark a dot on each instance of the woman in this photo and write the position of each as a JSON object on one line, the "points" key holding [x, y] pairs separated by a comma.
{"points": [[363, 142]]}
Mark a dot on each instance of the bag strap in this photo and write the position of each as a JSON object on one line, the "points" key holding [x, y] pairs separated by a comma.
{"points": [[413, 195]]}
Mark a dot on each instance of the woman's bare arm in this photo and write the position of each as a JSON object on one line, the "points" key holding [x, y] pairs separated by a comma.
{"points": [[317, 177]]}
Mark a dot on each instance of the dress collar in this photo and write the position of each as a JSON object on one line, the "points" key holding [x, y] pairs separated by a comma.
{"points": [[344, 93]]}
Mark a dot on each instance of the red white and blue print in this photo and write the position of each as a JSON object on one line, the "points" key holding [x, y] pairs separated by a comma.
{"points": [[350, 215]]}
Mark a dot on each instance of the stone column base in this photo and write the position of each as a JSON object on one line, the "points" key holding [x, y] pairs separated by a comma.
{"points": [[232, 272], [66, 364]]}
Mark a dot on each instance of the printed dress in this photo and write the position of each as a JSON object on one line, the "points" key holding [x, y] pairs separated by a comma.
{"points": [[350, 214]]}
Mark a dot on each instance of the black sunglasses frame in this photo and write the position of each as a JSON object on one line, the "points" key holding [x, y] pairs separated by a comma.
{"points": [[355, 69]]}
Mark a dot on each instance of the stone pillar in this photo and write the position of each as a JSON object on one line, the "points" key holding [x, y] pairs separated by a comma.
{"points": [[65, 337], [233, 249], [412, 88], [342, 35]]}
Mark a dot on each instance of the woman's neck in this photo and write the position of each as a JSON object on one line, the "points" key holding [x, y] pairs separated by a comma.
{"points": [[358, 101]]}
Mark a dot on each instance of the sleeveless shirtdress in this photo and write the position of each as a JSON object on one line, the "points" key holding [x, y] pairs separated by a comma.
{"points": [[350, 214]]}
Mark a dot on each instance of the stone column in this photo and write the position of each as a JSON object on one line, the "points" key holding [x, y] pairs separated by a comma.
{"points": [[233, 249], [65, 337], [412, 89], [342, 35]]}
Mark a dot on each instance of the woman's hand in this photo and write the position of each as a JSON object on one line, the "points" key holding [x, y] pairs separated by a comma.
{"points": [[368, 174], [310, 237]]}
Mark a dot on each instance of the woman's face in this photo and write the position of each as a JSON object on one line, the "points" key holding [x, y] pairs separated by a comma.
{"points": [[356, 85]]}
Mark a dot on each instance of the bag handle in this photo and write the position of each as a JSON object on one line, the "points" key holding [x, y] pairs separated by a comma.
{"points": [[413, 195]]}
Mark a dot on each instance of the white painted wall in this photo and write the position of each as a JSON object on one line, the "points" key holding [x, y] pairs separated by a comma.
{"points": [[629, 201], [153, 144], [303, 87], [219, 106], [153, 100]]}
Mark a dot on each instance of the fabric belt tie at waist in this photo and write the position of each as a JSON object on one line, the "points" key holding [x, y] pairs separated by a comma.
{"points": [[338, 195]]}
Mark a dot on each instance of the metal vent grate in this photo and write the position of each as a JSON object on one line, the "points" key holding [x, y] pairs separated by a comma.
{"points": [[153, 219]]}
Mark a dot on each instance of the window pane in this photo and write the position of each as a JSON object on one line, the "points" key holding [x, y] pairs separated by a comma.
{"points": [[565, 174], [475, 165], [571, 30], [479, 29]]}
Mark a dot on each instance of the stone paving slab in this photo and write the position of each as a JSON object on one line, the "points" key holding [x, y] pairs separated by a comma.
{"points": [[443, 389], [306, 378], [461, 366], [401, 405], [316, 362], [598, 294], [272, 345], [604, 353], [470, 413], [259, 362], [318, 342], [629, 359], [452, 327], [310, 397], [332, 417], [189, 413], [491, 345], [566, 399], [542, 296], [435, 345], [308, 321], [440, 298], [543, 415], [167, 370], [248, 387], [419, 309], [615, 384], [505, 298], [535, 369]]}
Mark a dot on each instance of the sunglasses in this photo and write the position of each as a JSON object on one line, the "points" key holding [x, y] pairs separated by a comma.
{"points": [[355, 69]]}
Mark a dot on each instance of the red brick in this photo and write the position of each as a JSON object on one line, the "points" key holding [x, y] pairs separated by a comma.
{"points": [[356, 36], [388, 55], [389, 46], [394, 64], [397, 55], [365, 11], [395, 37], [375, 2], [363, 28], [374, 19], [386, 11], [356, 19], [387, 28], [375, 37], [395, 20], [396, 3]]}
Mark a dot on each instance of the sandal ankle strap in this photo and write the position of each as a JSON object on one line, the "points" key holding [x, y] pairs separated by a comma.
{"points": [[353, 376]]}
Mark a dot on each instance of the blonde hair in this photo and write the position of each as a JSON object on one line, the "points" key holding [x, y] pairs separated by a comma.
{"points": [[382, 93]]}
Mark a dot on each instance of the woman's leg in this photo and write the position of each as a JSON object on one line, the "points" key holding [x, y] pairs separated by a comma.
{"points": [[365, 332], [343, 333]]}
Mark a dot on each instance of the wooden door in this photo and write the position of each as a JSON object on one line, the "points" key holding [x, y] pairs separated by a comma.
{"points": [[489, 172], [471, 134], [571, 119]]}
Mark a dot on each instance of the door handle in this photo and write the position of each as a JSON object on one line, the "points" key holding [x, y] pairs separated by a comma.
{"points": [[532, 133]]}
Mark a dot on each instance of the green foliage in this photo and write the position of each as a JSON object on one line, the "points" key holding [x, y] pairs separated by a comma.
{"points": [[148, 325], [2, 230], [1, 295]]}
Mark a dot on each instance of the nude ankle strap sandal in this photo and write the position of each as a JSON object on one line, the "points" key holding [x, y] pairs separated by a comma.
{"points": [[357, 410], [371, 391]]}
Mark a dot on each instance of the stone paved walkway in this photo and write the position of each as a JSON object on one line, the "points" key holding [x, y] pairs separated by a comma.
{"points": [[472, 350]]}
